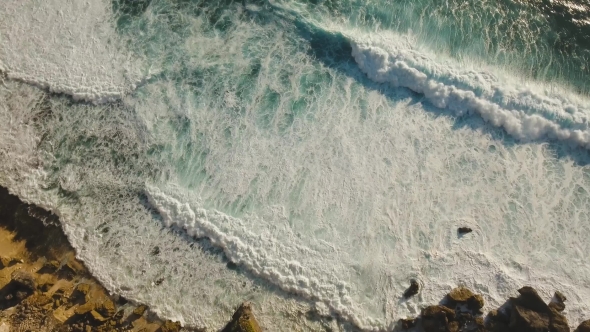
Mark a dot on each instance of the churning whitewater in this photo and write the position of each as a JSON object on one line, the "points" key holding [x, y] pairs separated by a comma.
{"points": [[305, 154]]}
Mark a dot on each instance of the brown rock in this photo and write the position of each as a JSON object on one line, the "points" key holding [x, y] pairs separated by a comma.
{"points": [[559, 296], [584, 326], [139, 310], [557, 302], [557, 306], [8, 262], [170, 326], [413, 289], [523, 319], [530, 313], [407, 323], [436, 318], [24, 279], [20, 286], [106, 307], [558, 322], [84, 308], [530, 299], [462, 295], [97, 317], [243, 320], [453, 327], [49, 267]]}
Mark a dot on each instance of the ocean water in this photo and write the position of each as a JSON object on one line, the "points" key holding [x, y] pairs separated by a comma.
{"points": [[309, 156]]}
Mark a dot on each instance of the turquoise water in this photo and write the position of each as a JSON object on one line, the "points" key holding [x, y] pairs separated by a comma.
{"points": [[305, 155]]}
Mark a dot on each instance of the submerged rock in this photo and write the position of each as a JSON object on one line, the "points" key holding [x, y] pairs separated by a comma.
{"points": [[243, 320], [413, 289]]}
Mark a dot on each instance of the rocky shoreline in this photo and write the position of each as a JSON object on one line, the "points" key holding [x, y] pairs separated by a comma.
{"points": [[460, 310], [43, 287]]}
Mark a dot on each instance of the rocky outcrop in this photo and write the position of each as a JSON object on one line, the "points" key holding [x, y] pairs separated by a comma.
{"points": [[243, 320], [43, 287], [460, 311], [529, 313]]}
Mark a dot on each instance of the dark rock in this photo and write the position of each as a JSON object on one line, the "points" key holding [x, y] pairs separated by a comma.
{"points": [[20, 286], [169, 326], [155, 251], [139, 310], [407, 323], [584, 326], [530, 299], [80, 293], [24, 279], [523, 319], [49, 267], [436, 318], [464, 230], [413, 289], [558, 322], [557, 306], [243, 320], [462, 295], [530, 314]]}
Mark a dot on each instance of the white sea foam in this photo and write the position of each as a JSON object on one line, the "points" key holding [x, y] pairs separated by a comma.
{"points": [[67, 47], [525, 114], [336, 191]]}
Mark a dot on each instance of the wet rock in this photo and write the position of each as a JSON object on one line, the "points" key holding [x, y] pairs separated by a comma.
{"points": [[139, 310], [407, 323], [584, 326], [497, 321], [20, 286], [462, 295], [527, 320], [530, 314], [530, 299], [557, 302], [243, 320], [558, 322], [413, 289], [170, 326], [436, 318], [464, 230]]}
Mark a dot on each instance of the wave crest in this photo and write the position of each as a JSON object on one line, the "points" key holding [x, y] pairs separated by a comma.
{"points": [[525, 114]]}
